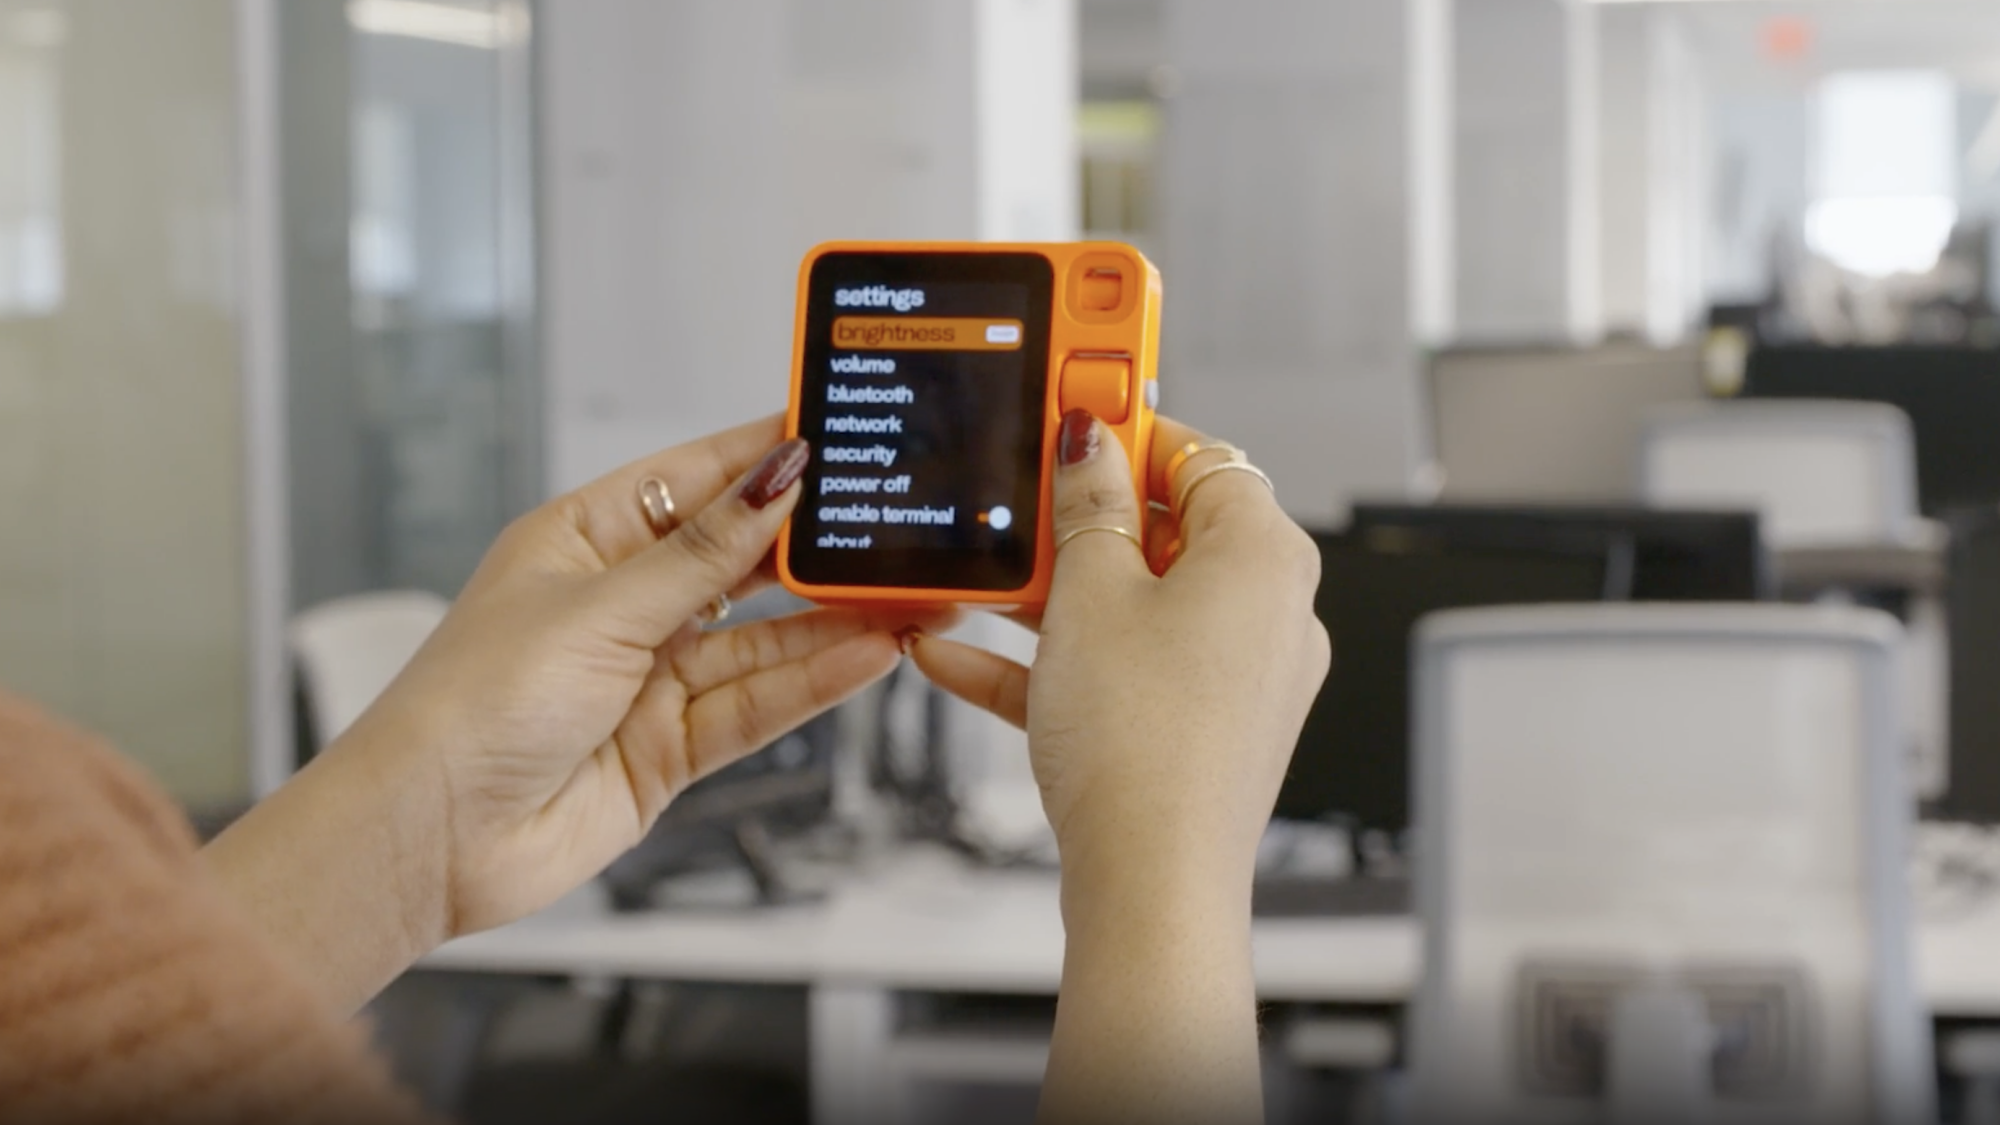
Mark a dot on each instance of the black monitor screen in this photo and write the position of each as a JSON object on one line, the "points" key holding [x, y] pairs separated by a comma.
{"points": [[1353, 757], [1654, 554]]}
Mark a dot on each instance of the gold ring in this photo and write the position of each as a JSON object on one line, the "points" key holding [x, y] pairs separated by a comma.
{"points": [[658, 505], [1194, 482], [1199, 445], [717, 611], [1231, 456], [1112, 528]]}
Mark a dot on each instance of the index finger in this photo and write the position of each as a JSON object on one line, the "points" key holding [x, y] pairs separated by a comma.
{"points": [[1217, 494], [607, 512]]}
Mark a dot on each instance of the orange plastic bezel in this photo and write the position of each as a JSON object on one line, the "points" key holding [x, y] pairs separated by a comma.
{"points": [[1072, 330]]}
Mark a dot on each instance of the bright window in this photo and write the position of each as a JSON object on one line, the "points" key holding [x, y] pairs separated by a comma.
{"points": [[1885, 166]]}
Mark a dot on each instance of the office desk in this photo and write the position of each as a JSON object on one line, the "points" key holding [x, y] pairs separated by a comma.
{"points": [[921, 922], [1919, 569], [915, 922], [926, 924], [582, 936], [1958, 962]]}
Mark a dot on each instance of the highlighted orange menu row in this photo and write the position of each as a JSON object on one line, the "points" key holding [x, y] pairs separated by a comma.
{"points": [[927, 333]]}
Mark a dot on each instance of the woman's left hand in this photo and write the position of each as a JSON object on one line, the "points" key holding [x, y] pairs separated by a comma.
{"points": [[567, 698]]}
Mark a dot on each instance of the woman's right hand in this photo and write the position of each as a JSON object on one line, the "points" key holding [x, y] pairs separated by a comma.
{"points": [[1159, 706], [1161, 714]]}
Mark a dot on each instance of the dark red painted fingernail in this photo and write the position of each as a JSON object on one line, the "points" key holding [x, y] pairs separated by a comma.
{"points": [[779, 470], [906, 637], [1077, 442]]}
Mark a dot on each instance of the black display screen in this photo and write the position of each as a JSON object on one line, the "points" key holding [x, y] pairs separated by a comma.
{"points": [[924, 384]]}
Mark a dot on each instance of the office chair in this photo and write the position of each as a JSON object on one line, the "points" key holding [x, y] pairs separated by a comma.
{"points": [[348, 649], [1660, 868], [1821, 474], [1836, 476]]}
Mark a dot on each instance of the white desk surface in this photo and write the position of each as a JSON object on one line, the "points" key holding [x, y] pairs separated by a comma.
{"points": [[923, 922], [582, 936], [1958, 962]]}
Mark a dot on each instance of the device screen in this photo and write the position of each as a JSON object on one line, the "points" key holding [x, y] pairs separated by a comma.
{"points": [[922, 395]]}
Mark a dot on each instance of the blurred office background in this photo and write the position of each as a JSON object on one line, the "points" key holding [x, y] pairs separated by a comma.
{"points": [[302, 300]]}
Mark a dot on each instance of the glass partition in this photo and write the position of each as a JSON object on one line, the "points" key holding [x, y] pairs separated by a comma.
{"points": [[414, 404]]}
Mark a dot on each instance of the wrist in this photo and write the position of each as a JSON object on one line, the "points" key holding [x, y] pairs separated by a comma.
{"points": [[389, 774], [1154, 869], [344, 868], [1157, 1018]]}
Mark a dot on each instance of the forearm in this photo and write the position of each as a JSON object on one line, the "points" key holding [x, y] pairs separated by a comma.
{"points": [[1157, 1021], [343, 868]]}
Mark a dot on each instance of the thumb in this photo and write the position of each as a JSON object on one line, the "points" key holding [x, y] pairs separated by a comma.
{"points": [[1093, 494], [661, 588]]}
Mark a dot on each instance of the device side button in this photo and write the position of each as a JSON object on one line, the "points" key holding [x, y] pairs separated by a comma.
{"points": [[1102, 386]]}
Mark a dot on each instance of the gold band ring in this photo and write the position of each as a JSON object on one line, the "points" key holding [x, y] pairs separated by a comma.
{"points": [[657, 502], [1112, 528], [1199, 445], [1234, 465], [658, 505], [1176, 488]]}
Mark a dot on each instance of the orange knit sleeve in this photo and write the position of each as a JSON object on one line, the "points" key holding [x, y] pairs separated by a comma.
{"points": [[130, 988]]}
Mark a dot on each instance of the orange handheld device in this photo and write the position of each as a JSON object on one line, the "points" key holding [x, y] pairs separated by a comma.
{"points": [[930, 378]]}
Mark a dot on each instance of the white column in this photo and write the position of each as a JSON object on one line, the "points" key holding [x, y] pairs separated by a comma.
{"points": [[1526, 176], [1653, 174], [1624, 119], [1027, 171], [1302, 241]]}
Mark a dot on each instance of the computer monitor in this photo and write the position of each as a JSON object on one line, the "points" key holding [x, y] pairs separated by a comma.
{"points": [[1353, 758], [1951, 394], [1655, 554], [1972, 623], [1550, 424]]}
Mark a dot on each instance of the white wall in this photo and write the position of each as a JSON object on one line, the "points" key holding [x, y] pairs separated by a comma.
{"points": [[695, 150]]}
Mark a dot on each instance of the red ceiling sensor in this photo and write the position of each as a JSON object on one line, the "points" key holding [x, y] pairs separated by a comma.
{"points": [[1787, 38]]}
